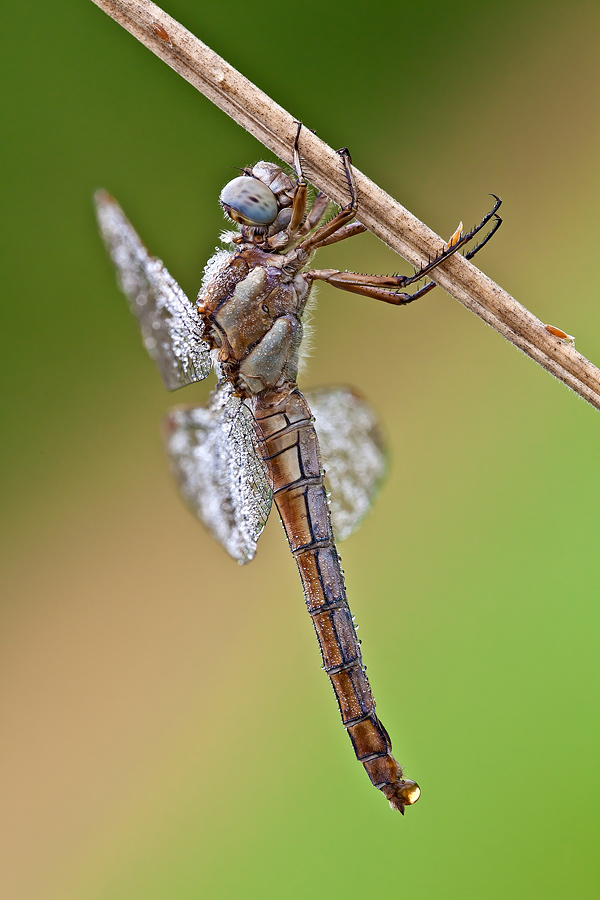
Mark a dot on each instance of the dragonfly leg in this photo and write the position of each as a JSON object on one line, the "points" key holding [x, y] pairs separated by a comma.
{"points": [[454, 245], [338, 228], [497, 223], [298, 228], [300, 191], [315, 215], [389, 287], [345, 232], [459, 240], [380, 287], [342, 218]]}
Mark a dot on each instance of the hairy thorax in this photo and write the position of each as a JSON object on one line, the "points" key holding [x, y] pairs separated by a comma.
{"points": [[251, 303]]}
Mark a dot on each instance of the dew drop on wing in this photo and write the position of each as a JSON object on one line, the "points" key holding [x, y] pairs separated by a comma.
{"points": [[171, 327], [214, 452]]}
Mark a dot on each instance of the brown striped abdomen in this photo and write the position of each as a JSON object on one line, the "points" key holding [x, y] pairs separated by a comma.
{"points": [[292, 448]]}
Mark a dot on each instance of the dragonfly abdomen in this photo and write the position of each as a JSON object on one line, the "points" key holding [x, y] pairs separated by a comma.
{"points": [[292, 450]]}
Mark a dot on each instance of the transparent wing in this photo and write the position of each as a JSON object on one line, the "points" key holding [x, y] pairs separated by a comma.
{"points": [[215, 454], [171, 329], [352, 451]]}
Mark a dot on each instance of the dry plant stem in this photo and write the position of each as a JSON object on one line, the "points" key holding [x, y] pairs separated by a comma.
{"points": [[384, 216]]}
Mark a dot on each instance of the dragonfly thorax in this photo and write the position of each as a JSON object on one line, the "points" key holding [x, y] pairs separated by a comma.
{"points": [[251, 310]]}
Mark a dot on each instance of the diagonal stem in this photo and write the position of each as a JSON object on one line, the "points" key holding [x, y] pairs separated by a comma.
{"points": [[384, 216]]}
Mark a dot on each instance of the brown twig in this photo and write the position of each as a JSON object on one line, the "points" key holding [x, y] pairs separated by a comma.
{"points": [[383, 215]]}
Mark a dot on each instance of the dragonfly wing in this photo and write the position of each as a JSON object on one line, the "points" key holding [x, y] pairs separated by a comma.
{"points": [[352, 452], [171, 328], [215, 455]]}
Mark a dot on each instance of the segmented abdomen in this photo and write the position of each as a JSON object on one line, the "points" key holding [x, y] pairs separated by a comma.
{"points": [[292, 448]]}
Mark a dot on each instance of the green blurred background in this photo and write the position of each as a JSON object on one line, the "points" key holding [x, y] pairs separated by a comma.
{"points": [[168, 732]]}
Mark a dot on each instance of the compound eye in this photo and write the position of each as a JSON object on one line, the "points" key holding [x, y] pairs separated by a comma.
{"points": [[249, 201]]}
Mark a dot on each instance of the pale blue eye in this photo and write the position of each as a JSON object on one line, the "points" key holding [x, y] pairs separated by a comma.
{"points": [[249, 201]]}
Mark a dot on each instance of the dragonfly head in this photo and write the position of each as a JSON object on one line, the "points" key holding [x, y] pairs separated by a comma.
{"points": [[261, 198]]}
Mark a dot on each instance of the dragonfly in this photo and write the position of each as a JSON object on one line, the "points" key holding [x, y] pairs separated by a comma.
{"points": [[259, 440]]}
